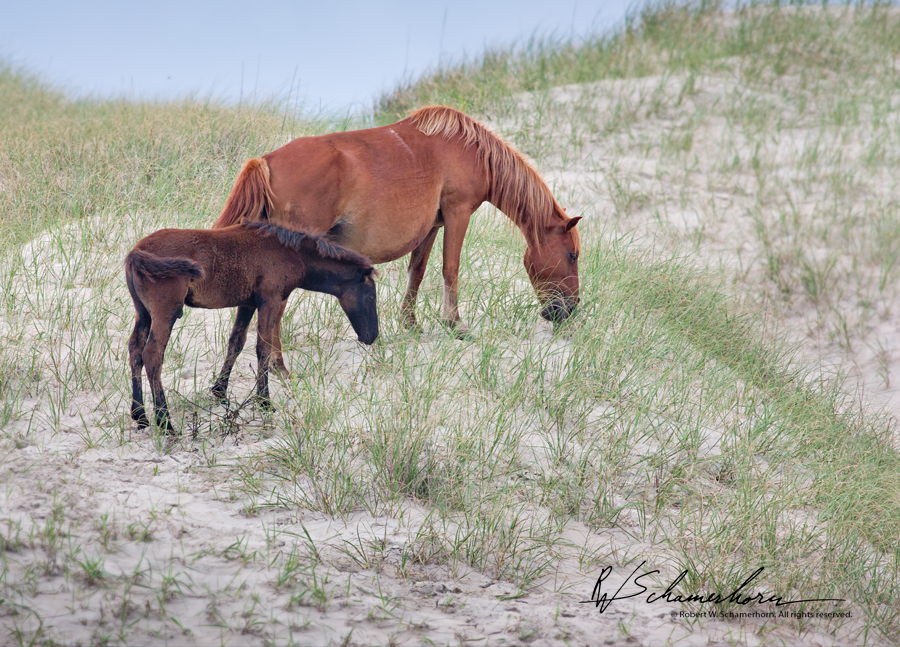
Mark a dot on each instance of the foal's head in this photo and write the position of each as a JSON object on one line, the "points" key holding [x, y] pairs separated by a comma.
{"points": [[352, 280], [552, 265], [356, 295]]}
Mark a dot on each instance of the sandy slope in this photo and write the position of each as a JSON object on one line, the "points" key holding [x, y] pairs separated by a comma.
{"points": [[184, 560], [677, 164]]}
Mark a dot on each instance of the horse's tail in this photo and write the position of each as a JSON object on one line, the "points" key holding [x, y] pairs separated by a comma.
{"points": [[251, 196], [153, 267]]}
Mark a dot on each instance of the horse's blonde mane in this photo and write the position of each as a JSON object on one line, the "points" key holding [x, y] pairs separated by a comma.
{"points": [[516, 189]]}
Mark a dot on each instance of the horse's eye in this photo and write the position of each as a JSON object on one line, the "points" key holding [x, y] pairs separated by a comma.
{"points": [[573, 256]]}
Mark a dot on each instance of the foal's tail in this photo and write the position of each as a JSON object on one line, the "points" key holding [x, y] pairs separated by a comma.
{"points": [[153, 267], [251, 196]]}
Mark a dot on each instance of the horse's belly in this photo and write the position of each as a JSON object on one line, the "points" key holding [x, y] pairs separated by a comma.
{"points": [[388, 243]]}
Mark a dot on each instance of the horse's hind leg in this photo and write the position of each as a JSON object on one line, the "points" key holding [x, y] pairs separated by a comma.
{"points": [[418, 260], [166, 313], [135, 359], [235, 346]]}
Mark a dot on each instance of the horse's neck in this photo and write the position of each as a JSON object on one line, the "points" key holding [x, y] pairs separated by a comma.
{"points": [[531, 228], [532, 234]]}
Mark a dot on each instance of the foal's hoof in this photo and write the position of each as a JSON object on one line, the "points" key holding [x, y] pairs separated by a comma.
{"points": [[218, 393], [139, 415], [264, 403]]}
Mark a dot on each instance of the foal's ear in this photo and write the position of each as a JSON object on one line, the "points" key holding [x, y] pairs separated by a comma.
{"points": [[369, 271], [572, 222]]}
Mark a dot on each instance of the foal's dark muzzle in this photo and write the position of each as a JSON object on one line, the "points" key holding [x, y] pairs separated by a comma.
{"points": [[558, 310], [368, 337], [366, 328], [365, 322]]}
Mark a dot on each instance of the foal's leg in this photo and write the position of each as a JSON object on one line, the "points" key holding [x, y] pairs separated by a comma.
{"points": [[153, 354], [135, 359], [454, 232], [265, 346], [235, 346], [418, 260], [168, 306]]}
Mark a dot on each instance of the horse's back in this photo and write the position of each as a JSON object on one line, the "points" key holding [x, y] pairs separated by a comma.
{"points": [[377, 191]]}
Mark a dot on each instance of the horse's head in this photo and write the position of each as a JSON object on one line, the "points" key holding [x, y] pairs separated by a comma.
{"points": [[357, 298], [552, 265]]}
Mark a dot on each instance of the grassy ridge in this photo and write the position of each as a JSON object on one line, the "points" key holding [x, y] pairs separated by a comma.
{"points": [[664, 37], [661, 412], [64, 160]]}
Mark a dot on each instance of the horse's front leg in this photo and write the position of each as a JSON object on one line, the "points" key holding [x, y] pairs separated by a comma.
{"points": [[454, 233], [235, 345], [277, 360], [418, 261]]}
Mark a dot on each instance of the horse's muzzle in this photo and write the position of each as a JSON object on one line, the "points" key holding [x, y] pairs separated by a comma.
{"points": [[558, 310]]}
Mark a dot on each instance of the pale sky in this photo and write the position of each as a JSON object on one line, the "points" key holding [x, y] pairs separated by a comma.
{"points": [[343, 54]]}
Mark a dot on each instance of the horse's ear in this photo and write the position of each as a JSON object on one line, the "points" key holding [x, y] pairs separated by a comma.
{"points": [[572, 222], [370, 271]]}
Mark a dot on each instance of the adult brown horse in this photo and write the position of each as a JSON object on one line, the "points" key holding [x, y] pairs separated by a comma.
{"points": [[385, 192]]}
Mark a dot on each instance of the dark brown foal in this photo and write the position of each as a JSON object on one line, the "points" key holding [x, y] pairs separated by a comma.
{"points": [[254, 266]]}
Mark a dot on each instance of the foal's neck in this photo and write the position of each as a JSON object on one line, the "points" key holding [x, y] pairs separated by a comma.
{"points": [[325, 275]]}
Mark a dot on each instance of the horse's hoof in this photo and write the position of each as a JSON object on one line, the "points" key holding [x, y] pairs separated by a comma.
{"points": [[218, 394], [462, 334]]}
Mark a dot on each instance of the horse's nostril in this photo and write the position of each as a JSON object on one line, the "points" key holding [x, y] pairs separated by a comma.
{"points": [[558, 311]]}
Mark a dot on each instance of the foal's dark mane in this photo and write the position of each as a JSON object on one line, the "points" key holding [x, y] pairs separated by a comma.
{"points": [[294, 239]]}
